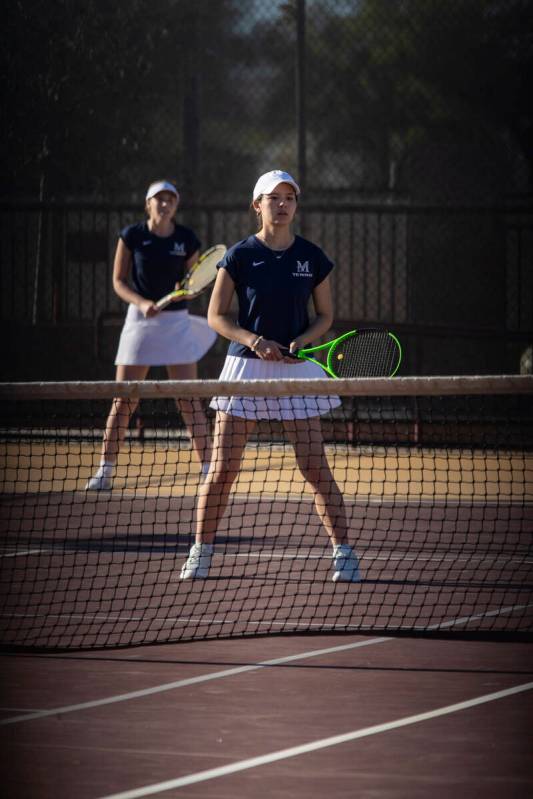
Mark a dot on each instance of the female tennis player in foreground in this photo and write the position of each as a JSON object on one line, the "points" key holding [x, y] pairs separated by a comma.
{"points": [[157, 253], [274, 274]]}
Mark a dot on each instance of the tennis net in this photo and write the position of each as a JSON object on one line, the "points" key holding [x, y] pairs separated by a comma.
{"points": [[436, 484]]}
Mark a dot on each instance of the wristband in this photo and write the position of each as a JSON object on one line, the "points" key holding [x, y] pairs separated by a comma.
{"points": [[255, 343]]}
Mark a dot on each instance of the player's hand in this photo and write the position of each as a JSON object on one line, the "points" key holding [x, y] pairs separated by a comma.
{"points": [[294, 346], [269, 350], [297, 344], [148, 308]]}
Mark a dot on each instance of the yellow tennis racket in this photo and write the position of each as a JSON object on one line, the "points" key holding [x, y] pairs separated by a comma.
{"points": [[200, 277]]}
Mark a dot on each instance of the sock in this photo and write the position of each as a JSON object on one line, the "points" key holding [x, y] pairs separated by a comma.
{"points": [[206, 549], [342, 549], [105, 469]]}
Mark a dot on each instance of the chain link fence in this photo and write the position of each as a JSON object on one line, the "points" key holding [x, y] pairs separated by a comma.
{"points": [[408, 124]]}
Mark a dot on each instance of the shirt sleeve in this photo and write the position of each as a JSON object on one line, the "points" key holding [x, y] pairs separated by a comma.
{"points": [[325, 266], [193, 244], [128, 236], [229, 263]]}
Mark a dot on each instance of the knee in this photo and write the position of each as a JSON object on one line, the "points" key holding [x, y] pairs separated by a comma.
{"points": [[317, 476], [313, 478], [123, 407], [221, 478]]}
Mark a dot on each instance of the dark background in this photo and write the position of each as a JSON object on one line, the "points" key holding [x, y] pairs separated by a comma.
{"points": [[408, 123]]}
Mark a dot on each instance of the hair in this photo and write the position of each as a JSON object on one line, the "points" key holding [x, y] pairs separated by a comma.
{"points": [[256, 215]]}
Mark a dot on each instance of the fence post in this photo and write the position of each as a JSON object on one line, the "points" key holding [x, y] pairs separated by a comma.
{"points": [[301, 121]]}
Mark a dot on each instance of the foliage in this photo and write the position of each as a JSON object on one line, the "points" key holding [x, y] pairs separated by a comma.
{"points": [[101, 97]]}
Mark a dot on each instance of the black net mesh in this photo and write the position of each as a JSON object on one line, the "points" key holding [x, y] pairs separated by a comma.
{"points": [[427, 488]]}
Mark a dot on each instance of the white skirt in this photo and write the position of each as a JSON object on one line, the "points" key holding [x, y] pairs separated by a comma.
{"points": [[236, 368], [171, 337]]}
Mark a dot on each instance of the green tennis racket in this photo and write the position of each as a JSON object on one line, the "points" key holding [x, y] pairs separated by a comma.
{"points": [[200, 277], [368, 352]]}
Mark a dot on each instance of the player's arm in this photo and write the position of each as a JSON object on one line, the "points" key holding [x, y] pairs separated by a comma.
{"points": [[323, 304], [219, 314], [121, 271]]}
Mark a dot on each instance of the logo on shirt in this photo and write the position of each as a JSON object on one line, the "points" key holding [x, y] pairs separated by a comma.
{"points": [[257, 263], [146, 243], [302, 269], [178, 249]]}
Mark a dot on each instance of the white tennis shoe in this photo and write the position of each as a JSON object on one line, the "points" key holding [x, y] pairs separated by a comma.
{"points": [[197, 565], [99, 483], [346, 565]]}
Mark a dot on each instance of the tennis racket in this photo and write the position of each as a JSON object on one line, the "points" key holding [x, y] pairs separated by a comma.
{"points": [[202, 274], [360, 353]]}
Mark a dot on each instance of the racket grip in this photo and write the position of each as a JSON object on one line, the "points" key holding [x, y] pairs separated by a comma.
{"points": [[285, 351]]}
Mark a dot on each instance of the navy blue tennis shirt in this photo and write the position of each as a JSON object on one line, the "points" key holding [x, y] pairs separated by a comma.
{"points": [[158, 263], [273, 288]]}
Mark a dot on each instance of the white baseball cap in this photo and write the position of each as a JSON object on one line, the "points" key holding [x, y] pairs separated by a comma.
{"points": [[270, 180], [161, 185]]}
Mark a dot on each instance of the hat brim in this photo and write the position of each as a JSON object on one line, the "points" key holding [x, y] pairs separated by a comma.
{"points": [[269, 188], [160, 186]]}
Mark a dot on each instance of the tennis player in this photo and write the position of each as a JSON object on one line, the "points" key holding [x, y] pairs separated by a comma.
{"points": [[155, 255], [274, 275]]}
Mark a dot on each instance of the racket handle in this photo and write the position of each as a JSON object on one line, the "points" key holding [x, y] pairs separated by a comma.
{"points": [[165, 301], [285, 351]]}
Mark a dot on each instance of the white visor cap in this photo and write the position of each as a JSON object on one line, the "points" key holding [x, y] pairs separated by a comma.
{"points": [[268, 182], [161, 185]]}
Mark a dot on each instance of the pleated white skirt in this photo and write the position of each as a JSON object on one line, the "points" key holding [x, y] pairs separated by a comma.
{"points": [[171, 337], [301, 407]]}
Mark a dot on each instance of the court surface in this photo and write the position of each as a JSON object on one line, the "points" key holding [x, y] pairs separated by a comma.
{"points": [[443, 539], [90, 570], [280, 716]]}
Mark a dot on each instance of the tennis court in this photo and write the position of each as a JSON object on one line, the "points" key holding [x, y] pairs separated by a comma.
{"points": [[441, 520], [277, 716], [406, 129], [417, 552], [268, 679]]}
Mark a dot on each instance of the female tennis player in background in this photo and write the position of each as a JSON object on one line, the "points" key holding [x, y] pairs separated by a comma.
{"points": [[274, 275], [156, 255]]}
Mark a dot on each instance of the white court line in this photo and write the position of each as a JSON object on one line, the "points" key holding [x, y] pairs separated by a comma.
{"points": [[369, 555], [416, 557], [476, 617], [287, 623], [329, 627], [87, 617], [217, 675], [19, 553], [313, 746]]}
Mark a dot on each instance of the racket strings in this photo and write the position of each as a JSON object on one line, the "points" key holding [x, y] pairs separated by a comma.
{"points": [[206, 271], [368, 354]]}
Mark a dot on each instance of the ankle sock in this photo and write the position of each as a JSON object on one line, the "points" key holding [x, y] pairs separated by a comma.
{"points": [[105, 470], [342, 549]]}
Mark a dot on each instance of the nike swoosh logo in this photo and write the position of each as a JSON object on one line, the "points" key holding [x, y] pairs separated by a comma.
{"points": [[257, 263]]}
